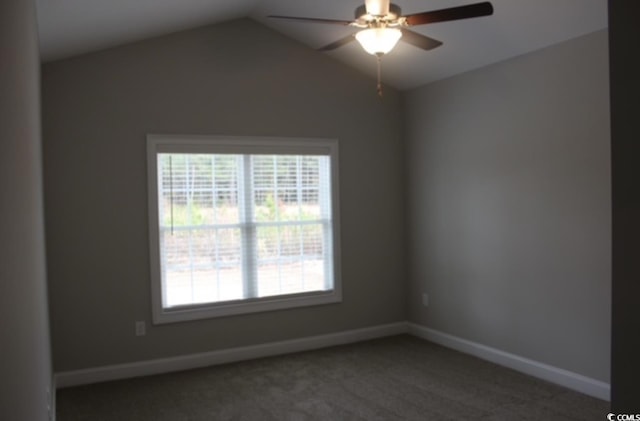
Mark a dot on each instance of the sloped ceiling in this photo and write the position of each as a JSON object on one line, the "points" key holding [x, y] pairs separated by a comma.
{"points": [[73, 27]]}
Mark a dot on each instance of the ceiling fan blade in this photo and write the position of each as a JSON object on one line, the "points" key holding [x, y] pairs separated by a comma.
{"points": [[453, 13], [377, 7], [313, 20], [419, 40], [339, 43]]}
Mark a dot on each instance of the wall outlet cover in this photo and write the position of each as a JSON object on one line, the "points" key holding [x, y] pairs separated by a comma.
{"points": [[141, 328]]}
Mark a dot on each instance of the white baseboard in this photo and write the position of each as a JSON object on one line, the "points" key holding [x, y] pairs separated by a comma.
{"points": [[533, 368], [186, 362], [568, 379]]}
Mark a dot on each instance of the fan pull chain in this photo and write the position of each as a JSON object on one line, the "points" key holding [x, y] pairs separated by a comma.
{"points": [[379, 87]]}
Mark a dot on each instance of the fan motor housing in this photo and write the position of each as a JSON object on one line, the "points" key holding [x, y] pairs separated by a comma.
{"points": [[394, 13]]}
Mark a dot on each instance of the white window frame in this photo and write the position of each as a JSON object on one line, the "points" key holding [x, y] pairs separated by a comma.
{"points": [[158, 143]]}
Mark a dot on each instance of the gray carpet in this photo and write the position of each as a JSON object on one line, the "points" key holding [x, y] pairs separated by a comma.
{"points": [[396, 378]]}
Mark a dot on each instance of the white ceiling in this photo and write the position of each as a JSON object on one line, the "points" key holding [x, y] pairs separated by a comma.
{"points": [[72, 27]]}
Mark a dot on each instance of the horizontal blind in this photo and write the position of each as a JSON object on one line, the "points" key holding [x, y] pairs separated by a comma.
{"points": [[236, 227]]}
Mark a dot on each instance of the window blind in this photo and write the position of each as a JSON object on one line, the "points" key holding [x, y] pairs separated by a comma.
{"points": [[242, 227]]}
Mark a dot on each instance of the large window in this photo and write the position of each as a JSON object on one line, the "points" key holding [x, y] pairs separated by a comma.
{"points": [[241, 225]]}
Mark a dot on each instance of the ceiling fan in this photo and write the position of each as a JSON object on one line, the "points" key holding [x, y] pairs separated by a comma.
{"points": [[382, 25]]}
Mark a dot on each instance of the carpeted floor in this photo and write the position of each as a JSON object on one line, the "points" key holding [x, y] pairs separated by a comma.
{"points": [[396, 378]]}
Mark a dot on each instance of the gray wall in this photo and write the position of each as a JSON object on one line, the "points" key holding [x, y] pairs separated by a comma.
{"points": [[25, 366], [509, 205], [237, 78], [625, 155]]}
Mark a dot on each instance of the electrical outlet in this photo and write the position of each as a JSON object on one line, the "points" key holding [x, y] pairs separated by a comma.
{"points": [[425, 299], [141, 328]]}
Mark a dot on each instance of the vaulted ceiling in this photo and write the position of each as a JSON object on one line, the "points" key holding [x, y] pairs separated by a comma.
{"points": [[73, 27]]}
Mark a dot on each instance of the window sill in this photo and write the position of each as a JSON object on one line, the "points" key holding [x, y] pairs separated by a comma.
{"points": [[232, 308]]}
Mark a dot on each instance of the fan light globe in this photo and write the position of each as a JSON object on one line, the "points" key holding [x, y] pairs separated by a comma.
{"points": [[378, 41]]}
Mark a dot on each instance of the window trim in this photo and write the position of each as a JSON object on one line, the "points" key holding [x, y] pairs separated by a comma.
{"points": [[159, 143]]}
